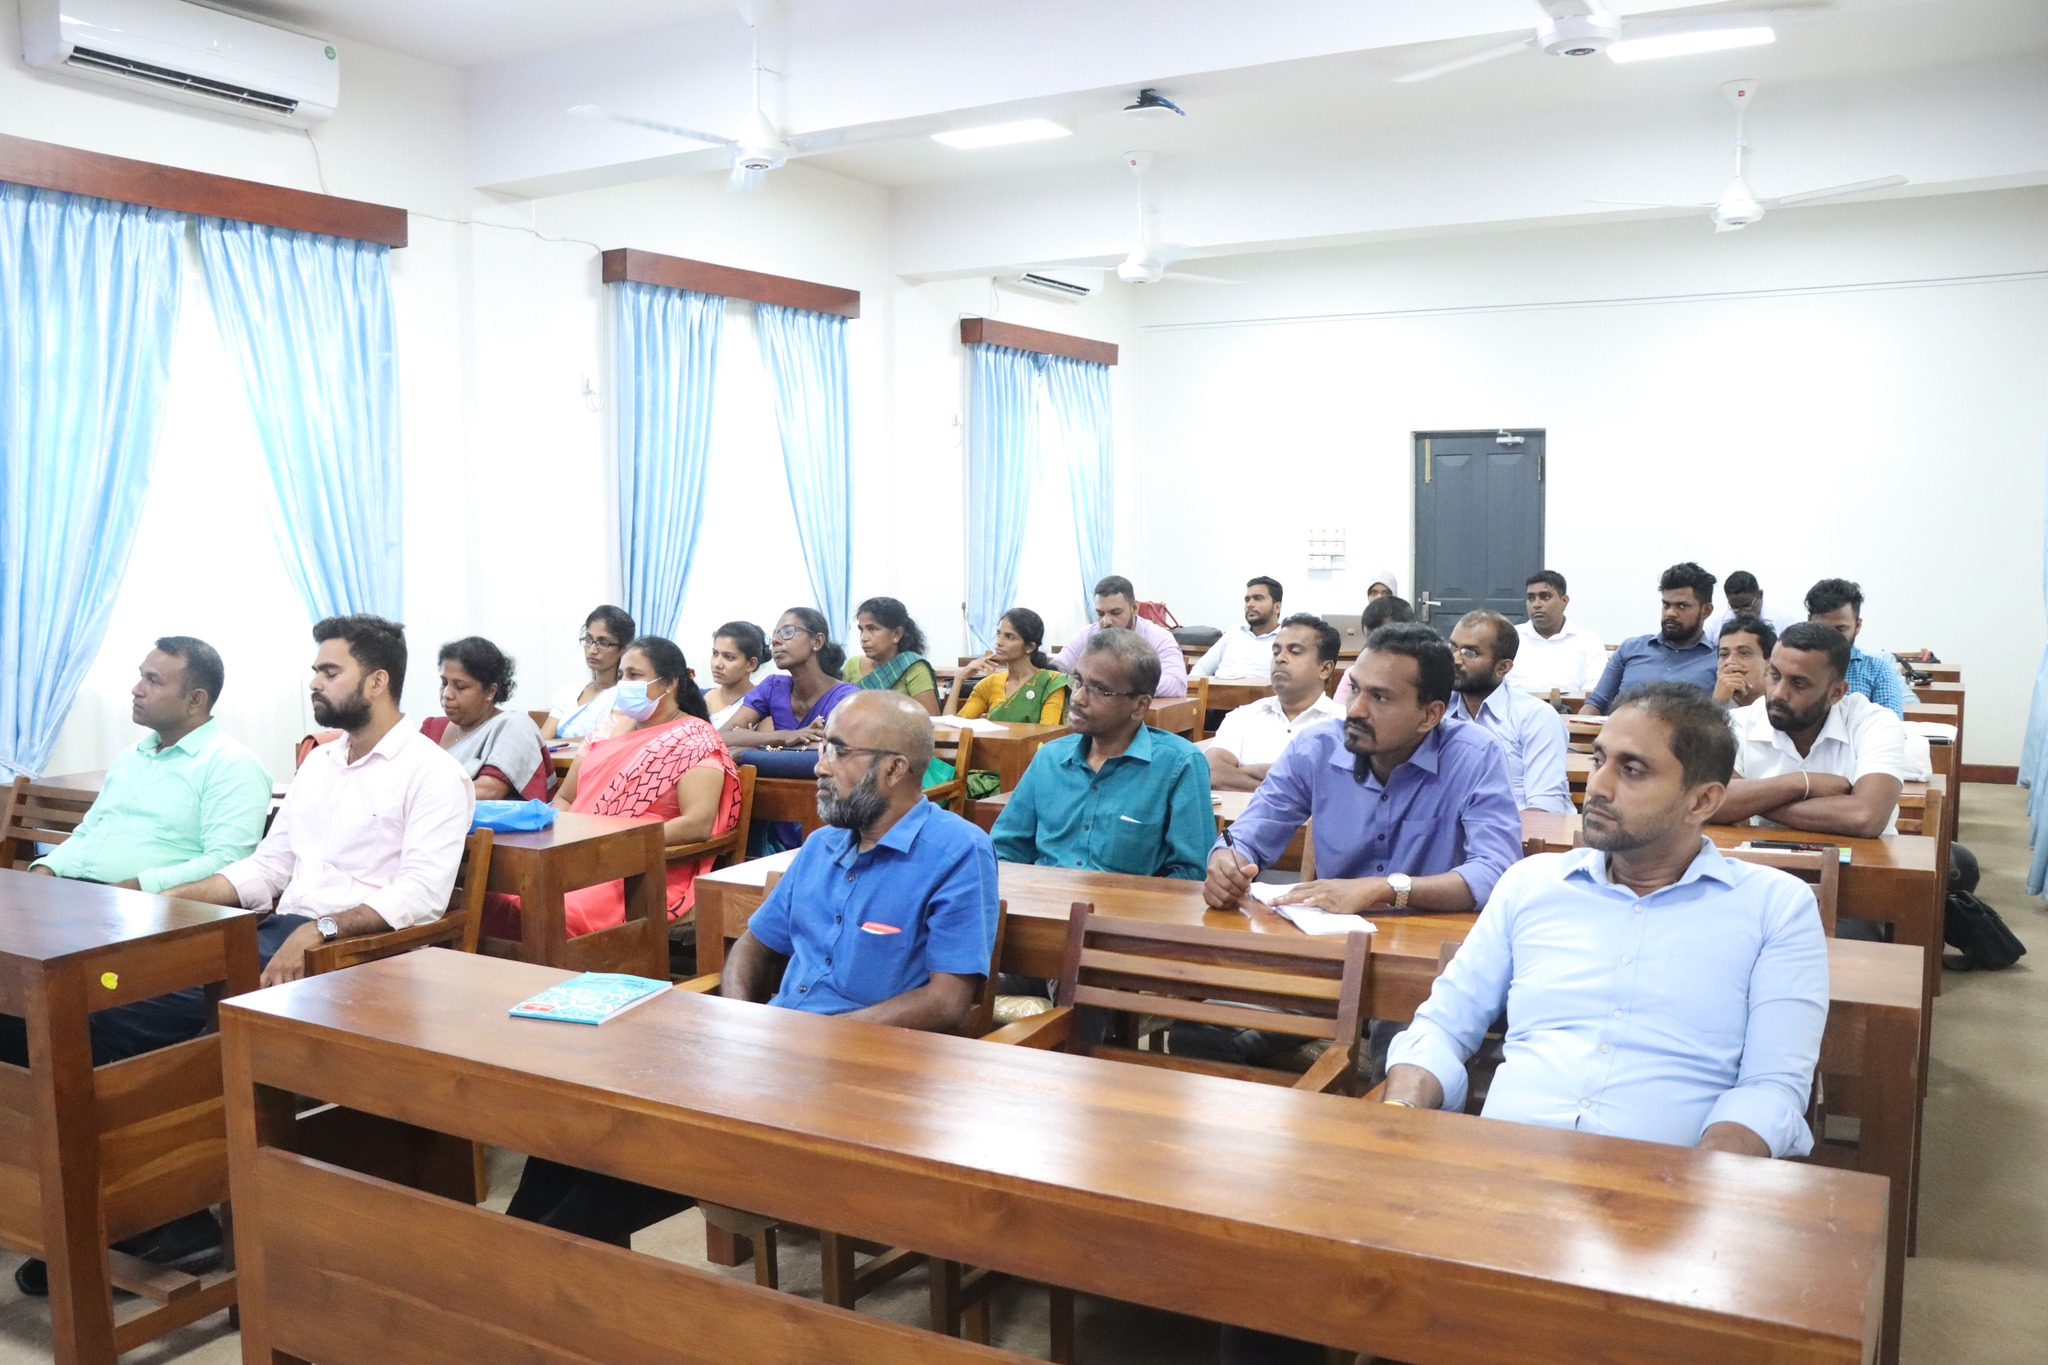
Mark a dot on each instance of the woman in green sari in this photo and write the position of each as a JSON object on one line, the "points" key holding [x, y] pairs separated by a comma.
{"points": [[1020, 686], [892, 649]]}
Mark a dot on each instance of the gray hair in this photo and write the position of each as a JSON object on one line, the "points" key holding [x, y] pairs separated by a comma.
{"points": [[1140, 660]]}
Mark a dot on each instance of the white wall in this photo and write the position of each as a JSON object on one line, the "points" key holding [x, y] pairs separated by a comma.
{"points": [[1859, 390]]}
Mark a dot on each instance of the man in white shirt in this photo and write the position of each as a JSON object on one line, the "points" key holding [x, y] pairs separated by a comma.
{"points": [[1116, 607], [1745, 597], [1304, 651], [1553, 652], [1812, 755], [1531, 733], [1246, 651], [371, 832]]}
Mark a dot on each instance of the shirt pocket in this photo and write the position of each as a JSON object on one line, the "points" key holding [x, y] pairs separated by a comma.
{"points": [[1130, 843], [871, 963]]}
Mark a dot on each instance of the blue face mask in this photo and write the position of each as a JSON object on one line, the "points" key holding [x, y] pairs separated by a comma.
{"points": [[631, 699]]}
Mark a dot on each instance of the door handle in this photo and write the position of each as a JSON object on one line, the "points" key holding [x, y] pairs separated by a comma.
{"points": [[1423, 602]]}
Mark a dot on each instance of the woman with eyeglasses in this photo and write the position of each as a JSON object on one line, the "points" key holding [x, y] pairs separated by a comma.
{"points": [[578, 707], [788, 710], [893, 654], [654, 755]]}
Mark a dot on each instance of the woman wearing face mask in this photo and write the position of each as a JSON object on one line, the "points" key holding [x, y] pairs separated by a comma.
{"points": [[655, 755]]}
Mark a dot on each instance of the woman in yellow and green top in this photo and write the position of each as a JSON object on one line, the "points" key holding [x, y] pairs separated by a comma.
{"points": [[1020, 685], [892, 650]]}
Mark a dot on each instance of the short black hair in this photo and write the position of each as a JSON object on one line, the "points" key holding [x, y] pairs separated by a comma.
{"points": [[891, 614], [1688, 575], [1137, 655], [204, 671], [1385, 611], [1820, 639], [617, 620], [1550, 576], [373, 642], [1742, 580], [1766, 634], [1116, 585], [1507, 641], [749, 639], [1832, 594], [1701, 740], [1435, 671], [1328, 642], [1271, 585], [483, 661], [665, 657]]}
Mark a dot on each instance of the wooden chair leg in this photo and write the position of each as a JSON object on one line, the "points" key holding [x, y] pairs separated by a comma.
{"points": [[767, 1264], [974, 1323], [835, 1254], [1064, 1348], [945, 1297]]}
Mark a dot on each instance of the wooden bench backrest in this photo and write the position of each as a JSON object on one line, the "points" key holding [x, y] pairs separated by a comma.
{"points": [[36, 814], [456, 929]]}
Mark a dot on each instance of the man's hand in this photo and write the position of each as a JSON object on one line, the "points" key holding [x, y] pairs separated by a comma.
{"points": [[42, 871], [289, 962], [1229, 880], [1417, 1085], [1736, 678], [1340, 895], [1733, 1137]]}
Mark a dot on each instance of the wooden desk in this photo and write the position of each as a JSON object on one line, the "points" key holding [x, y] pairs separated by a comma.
{"points": [[1009, 752], [1274, 1209], [564, 758], [88, 1154], [579, 851]]}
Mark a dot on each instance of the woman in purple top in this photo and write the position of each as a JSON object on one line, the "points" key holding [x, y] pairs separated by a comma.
{"points": [[788, 709]]}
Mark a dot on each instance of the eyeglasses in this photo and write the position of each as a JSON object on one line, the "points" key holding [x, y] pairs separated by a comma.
{"points": [[1096, 689], [787, 632], [838, 749], [596, 642], [1468, 651]]}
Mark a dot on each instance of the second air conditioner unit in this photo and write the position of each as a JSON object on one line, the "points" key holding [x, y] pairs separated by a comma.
{"points": [[1068, 286]]}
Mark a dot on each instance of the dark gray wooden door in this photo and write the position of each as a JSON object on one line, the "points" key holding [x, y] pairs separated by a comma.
{"points": [[1478, 522]]}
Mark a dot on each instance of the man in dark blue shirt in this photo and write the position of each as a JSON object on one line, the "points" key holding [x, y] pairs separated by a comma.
{"points": [[1680, 650], [888, 914]]}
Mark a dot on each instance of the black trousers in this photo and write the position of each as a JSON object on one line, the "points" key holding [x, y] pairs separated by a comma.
{"points": [[603, 1208], [146, 1025]]}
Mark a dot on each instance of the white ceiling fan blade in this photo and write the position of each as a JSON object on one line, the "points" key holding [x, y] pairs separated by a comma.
{"points": [[1835, 191], [1489, 54], [653, 125], [1647, 204], [1193, 278]]}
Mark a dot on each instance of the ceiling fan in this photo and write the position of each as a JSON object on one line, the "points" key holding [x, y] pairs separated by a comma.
{"points": [[1738, 207], [1147, 263], [1585, 28]]}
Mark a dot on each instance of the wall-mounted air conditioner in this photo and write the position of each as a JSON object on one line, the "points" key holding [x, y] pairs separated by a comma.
{"points": [[186, 53], [1068, 286]]}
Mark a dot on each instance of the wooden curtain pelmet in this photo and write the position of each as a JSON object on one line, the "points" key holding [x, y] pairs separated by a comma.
{"points": [[629, 265], [977, 331]]}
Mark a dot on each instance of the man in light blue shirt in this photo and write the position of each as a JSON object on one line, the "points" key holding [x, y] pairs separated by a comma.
{"points": [[1654, 989], [1531, 733], [1680, 650], [184, 802]]}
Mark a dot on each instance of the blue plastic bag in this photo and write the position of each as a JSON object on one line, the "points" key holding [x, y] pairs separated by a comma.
{"points": [[513, 817]]}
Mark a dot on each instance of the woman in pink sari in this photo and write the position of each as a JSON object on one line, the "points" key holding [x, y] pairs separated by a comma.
{"points": [[656, 755]]}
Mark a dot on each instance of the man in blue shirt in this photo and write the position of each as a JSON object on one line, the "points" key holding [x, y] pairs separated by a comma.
{"points": [[1839, 603], [888, 915], [1410, 803], [1654, 989], [1680, 650], [1116, 795], [1531, 733]]}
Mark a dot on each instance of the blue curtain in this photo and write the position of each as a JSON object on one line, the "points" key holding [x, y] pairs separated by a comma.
{"points": [[308, 319], [805, 354], [1002, 463], [88, 307], [2034, 767], [1079, 390], [666, 341]]}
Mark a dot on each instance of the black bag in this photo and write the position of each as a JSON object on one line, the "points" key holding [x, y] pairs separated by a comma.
{"points": [[1974, 929], [1196, 635]]}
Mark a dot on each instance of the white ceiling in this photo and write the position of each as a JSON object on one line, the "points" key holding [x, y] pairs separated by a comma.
{"points": [[465, 33]]}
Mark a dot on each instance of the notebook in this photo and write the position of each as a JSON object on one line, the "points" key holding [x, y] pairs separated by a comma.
{"points": [[1307, 918], [591, 998]]}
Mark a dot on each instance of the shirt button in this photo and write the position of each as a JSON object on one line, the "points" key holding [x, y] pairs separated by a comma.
{"points": [[1617, 1014], [1626, 959], [801, 989], [828, 962], [840, 919], [1585, 1104], [1639, 909], [1606, 1047], [849, 879]]}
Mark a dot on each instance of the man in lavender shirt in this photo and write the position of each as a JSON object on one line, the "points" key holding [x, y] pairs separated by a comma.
{"points": [[1116, 605]]}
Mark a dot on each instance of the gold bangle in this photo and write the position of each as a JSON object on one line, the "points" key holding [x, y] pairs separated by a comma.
{"points": [[1405, 1104]]}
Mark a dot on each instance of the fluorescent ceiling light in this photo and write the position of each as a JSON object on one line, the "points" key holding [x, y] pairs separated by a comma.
{"points": [[1002, 134], [1685, 44]]}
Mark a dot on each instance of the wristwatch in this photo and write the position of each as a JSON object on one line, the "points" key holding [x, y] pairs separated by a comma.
{"points": [[329, 930], [1402, 884]]}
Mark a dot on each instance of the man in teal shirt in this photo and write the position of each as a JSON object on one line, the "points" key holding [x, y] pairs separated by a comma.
{"points": [[1116, 795], [183, 803]]}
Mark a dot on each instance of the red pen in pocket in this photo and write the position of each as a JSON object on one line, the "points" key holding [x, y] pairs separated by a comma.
{"points": [[877, 927]]}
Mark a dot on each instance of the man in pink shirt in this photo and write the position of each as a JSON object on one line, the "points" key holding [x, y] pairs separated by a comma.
{"points": [[1116, 605]]}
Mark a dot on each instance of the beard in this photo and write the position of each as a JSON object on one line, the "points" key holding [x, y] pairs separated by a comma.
{"points": [[352, 714], [1612, 836], [1672, 630], [1784, 718], [857, 809]]}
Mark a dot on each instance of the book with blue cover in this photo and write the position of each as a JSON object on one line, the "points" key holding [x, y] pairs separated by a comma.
{"points": [[591, 998]]}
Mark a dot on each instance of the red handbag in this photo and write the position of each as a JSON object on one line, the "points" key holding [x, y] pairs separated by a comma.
{"points": [[1158, 615]]}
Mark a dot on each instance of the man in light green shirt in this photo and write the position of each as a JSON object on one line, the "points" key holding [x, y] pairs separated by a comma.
{"points": [[183, 803]]}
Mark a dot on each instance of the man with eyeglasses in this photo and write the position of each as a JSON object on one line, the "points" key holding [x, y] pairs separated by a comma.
{"points": [[888, 915], [1115, 795], [1531, 734]]}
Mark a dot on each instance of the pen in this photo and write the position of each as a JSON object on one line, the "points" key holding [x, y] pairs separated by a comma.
{"points": [[1242, 861]]}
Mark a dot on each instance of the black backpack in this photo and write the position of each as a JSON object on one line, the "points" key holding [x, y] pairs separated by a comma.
{"points": [[1970, 926]]}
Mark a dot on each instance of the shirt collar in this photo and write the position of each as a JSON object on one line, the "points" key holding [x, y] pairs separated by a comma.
{"points": [[394, 739], [1426, 756], [1140, 750], [1590, 865], [1834, 727], [194, 740], [1497, 702], [1657, 641], [898, 837]]}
